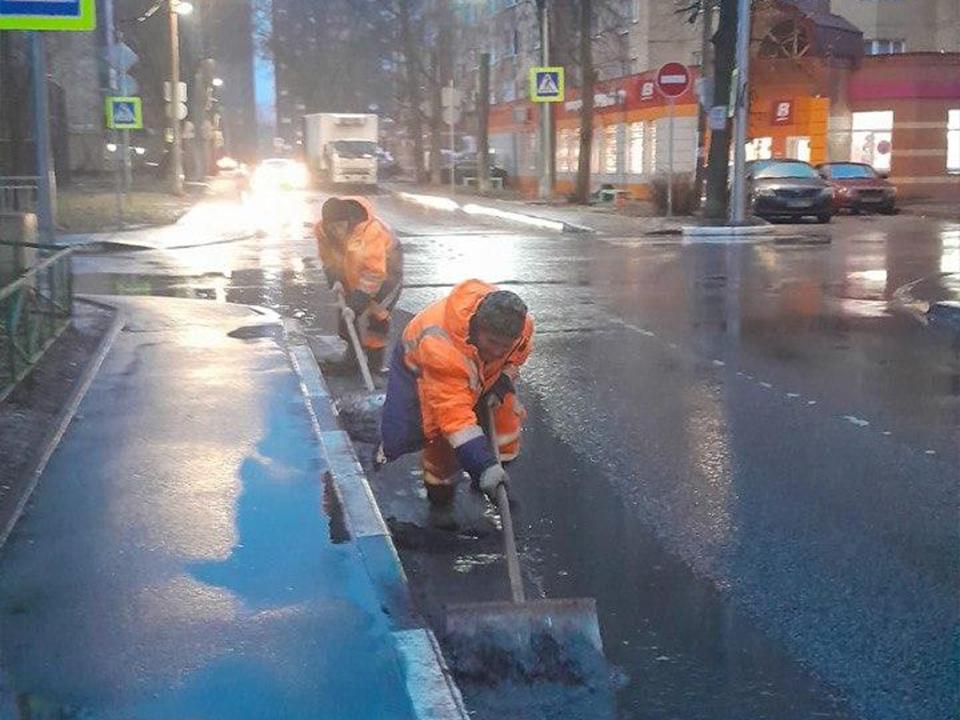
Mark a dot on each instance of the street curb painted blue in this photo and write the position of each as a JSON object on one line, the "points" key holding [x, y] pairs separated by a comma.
{"points": [[432, 690]]}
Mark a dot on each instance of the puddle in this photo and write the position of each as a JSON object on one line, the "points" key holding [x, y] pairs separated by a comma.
{"points": [[334, 510]]}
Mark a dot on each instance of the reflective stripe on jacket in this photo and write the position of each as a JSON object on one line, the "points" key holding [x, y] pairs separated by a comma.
{"points": [[451, 376]]}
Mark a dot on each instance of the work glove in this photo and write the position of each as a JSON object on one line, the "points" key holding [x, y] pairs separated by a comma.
{"points": [[358, 301], [499, 390], [490, 480], [333, 278], [337, 287]]}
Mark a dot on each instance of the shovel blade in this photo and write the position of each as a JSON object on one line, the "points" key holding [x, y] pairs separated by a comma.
{"points": [[554, 640]]}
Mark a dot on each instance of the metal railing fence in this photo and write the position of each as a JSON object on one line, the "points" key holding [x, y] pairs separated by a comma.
{"points": [[35, 307], [18, 193]]}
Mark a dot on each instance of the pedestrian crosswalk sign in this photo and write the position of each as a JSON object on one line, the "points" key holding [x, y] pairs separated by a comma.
{"points": [[124, 113], [546, 84]]}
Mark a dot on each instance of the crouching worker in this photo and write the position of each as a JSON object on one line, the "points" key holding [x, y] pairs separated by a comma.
{"points": [[363, 260], [456, 358]]}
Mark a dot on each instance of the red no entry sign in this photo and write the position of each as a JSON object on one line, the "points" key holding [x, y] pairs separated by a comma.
{"points": [[673, 79]]}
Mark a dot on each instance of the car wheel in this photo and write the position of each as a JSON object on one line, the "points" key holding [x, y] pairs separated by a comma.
{"points": [[890, 209], [824, 218]]}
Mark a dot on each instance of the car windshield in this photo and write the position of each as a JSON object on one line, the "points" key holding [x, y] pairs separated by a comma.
{"points": [[355, 148], [785, 170], [849, 171]]}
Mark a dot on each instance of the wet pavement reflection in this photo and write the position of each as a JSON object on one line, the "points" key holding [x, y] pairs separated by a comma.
{"points": [[748, 454]]}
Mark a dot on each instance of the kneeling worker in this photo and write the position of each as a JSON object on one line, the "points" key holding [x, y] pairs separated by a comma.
{"points": [[458, 357], [363, 260]]}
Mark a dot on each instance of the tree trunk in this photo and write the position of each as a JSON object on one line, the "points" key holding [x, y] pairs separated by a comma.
{"points": [[483, 125], [415, 127], [582, 193], [436, 121], [725, 48]]}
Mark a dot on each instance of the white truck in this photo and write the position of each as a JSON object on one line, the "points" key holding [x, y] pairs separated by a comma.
{"points": [[342, 147]]}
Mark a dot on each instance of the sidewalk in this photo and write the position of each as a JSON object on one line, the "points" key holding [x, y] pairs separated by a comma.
{"points": [[215, 220], [565, 217], [203, 545]]}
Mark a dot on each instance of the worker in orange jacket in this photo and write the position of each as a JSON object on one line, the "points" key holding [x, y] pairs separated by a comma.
{"points": [[363, 260], [458, 357]]}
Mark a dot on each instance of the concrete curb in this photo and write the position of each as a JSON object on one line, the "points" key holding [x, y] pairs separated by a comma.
{"points": [[449, 204], [67, 412], [726, 233], [433, 692]]}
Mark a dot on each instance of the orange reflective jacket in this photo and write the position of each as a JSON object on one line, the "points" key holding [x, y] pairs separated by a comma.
{"points": [[370, 260], [451, 376]]}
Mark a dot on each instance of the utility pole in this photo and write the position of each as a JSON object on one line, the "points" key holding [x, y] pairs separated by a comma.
{"points": [[706, 94], [176, 150], [546, 109], [738, 187]]}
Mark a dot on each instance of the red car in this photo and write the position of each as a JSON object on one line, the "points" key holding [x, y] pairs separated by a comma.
{"points": [[857, 187]]}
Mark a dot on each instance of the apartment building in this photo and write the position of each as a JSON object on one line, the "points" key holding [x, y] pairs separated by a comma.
{"points": [[904, 26]]}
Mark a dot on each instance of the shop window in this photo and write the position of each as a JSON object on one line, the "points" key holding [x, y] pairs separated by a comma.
{"points": [[883, 47], [872, 139], [610, 149], [798, 148], [760, 148], [651, 147], [595, 152], [562, 158], [635, 149], [953, 141]]}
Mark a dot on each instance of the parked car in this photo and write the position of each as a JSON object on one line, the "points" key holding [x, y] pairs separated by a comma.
{"points": [[465, 167], [387, 166], [857, 187], [788, 188]]}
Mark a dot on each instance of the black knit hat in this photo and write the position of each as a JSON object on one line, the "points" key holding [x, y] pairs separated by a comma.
{"points": [[336, 210], [501, 313]]}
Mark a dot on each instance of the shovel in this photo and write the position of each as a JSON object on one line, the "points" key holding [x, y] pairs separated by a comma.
{"points": [[520, 639], [355, 341], [360, 412]]}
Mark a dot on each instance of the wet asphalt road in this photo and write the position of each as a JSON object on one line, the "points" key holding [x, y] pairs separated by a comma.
{"points": [[748, 454]]}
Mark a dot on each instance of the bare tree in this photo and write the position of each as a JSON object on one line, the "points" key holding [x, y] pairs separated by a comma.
{"points": [[587, 77], [725, 47]]}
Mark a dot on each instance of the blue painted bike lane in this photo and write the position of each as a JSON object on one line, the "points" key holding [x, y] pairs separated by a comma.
{"points": [[178, 558]]}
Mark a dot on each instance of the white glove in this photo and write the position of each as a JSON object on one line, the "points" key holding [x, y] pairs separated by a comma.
{"points": [[349, 315], [491, 479], [337, 288]]}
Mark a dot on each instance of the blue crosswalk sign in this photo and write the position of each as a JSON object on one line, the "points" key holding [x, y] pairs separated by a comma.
{"points": [[546, 84], [124, 113]]}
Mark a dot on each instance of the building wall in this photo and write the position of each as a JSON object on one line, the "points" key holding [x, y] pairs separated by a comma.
{"points": [[924, 25]]}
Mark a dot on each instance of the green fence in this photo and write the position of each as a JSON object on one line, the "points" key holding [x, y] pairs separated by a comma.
{"points": [[35, 307]]}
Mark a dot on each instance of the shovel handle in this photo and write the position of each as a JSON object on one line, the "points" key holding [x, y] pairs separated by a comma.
{"points": [[506, 520], [355, 341]]}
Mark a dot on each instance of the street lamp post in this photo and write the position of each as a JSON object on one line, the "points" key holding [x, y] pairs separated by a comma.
{"points": [[177, 8]]}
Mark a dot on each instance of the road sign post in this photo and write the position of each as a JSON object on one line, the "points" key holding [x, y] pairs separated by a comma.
{"points": [[66, 15], [673, 80], [546, 86]]}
